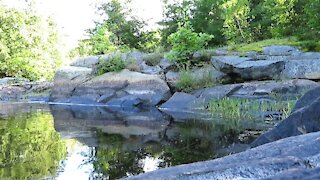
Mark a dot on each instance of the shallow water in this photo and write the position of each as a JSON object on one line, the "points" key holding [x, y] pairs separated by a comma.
{"points": [[39, 141]]}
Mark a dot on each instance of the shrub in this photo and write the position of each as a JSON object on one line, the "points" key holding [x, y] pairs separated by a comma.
{"points": [[184, 43], [114, 64]]}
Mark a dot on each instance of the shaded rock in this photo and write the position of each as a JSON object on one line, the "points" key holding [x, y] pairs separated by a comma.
{"points": [[302, 69], [181, 101], [67, 79], [217, 92], [126, 101], [151, 89], [204, 55], [278, 50], [265, 161], [172, 78], [257, 70], [248, 69], [150, 69], [307, 98], [269, 88], [302, 121], [226, 64], [208, 72], [165, 64], [88, 62], [13, 80], [298, 174]]}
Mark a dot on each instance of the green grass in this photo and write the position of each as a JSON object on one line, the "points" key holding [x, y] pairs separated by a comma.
{"points": [[310, 45], [258, 46], [187, 82], [232, 108]]}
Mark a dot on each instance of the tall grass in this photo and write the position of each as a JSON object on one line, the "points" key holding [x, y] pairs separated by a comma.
{"points": [[232, 108], [188, 82]]}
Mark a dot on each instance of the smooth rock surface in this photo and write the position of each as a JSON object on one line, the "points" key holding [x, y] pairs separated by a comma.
{"points": [[266, 161], [278, 50], [67, 79], [302, 69], [307, 98]]}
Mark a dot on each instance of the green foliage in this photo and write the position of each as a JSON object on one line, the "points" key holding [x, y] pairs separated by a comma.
{"points": [[236, 21], [30, 148], [184, 43], [29, 44], [114, 64], [207, 17], [100, 41]]}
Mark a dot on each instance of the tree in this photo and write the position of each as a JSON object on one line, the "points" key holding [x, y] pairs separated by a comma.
{"points": [[207, 17], [29, 44], [237, 21]]}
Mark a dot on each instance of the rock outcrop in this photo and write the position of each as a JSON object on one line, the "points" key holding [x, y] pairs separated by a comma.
{"points": [[304, 119], [295, 154]]}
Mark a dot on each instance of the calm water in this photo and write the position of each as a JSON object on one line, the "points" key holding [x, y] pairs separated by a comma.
{"points": [[62, 142]]}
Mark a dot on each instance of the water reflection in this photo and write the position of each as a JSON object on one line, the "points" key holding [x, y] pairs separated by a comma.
{"points": [[29, 145], [99, 142]]}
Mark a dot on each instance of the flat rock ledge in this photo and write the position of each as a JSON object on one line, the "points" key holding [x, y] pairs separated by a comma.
{"points": [[276, 160]]}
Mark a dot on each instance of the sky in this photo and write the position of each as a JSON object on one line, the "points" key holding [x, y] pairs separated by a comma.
{"points": [[75, 16]]}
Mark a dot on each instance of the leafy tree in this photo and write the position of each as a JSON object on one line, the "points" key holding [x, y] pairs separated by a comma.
{"points": [[175, 14], [237, 21], [281, 13], [207, 17], [185, 42], [29, 44]]}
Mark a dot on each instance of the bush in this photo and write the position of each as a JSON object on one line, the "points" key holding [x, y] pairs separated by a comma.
{"points": [[114, 64], [184, 43]]}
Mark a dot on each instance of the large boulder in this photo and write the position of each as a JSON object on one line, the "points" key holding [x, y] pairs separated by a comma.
{"points": [[307, 98], [269, 88], [216, 92], [294, 154], [280, 50], [113, 87], [247, 68], [302, 121], [67, 79], [302, 69]]}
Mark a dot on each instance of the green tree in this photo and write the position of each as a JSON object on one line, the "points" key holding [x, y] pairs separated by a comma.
{"points": [[237, 21], [207, 17], [29, 44], [185, 42], [175, 14], [281, 13]]}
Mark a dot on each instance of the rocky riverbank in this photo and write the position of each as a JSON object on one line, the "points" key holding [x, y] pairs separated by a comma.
{"points": [[276, 73]]}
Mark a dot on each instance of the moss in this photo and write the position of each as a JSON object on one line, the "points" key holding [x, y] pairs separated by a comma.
{"points": [[153, 59]]}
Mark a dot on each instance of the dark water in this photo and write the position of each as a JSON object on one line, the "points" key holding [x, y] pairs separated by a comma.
{"points": [[78, 142]]}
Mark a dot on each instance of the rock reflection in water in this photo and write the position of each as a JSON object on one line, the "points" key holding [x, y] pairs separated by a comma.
{"points": [[131, 142]]}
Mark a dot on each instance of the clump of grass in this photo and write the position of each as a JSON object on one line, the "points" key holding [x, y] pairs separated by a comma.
{"points": [[153, 59], [114, 64], [188, 82], [232, 108]]}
